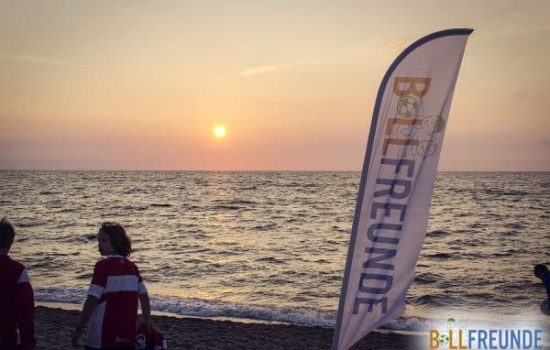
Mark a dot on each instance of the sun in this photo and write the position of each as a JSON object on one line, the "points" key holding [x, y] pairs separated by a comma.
{"points": [[219, 131]]}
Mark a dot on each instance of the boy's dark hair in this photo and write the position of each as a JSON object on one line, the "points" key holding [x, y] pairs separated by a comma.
{"points": [[540, 270], [7, 233], [119, 239]]}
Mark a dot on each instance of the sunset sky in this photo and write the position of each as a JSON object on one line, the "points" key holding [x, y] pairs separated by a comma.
{"points": [[142, 84]]}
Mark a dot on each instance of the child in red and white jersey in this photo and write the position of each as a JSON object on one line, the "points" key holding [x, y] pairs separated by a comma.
{"points": [[112, 303], [16, 297]]}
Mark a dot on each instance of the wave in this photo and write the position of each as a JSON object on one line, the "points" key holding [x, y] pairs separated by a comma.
{"points": [[195, 307], [135, 207], [438, 300], [47, 193], [439, 255], [67, 210], [514, 225], [60, 295], [31, 224], [235, 202], [271, 260], [438, 233], [74, 238], [427, 278], [229, 207], [205, 308], [505, 192], [266, 227]]}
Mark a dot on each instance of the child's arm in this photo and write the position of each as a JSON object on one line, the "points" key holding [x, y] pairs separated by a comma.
{"points": [[87, 309], [546, 282], [146, 310], [24, 299]]}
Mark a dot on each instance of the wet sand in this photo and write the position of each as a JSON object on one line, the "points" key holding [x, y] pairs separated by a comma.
{"points": [[54, 325]]}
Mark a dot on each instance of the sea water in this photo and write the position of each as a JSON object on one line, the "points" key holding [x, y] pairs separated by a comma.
{"points": [[271, 246]]}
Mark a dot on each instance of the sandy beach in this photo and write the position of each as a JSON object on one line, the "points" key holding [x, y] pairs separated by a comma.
{"points": [[54, 325]]}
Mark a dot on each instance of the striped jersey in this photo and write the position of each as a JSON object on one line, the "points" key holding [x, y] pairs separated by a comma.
{"points": [[116, 284], [16, 305]]}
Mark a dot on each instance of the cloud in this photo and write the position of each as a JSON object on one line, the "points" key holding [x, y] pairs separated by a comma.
{"points": [[289, 65], [36, 59], [383, 52], [518, 28], [395, 46], [519, 95], [546, 143], [258, 70]]}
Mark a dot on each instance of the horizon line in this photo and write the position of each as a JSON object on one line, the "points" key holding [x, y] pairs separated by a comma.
{"points": [[256, 170]]}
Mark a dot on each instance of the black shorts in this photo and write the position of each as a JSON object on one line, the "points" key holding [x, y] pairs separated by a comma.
{"points": [[115, 348], [16, 347]]}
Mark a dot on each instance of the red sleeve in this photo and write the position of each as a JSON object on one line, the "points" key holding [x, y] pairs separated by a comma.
{"points": [[138, 274], [24, 299], [99, 281]]}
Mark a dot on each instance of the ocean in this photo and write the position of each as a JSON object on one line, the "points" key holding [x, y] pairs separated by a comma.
{"points": [[271, 246]]}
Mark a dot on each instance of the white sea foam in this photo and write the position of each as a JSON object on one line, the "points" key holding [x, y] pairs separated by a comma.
{"points": [[194, 307], [204, 308]]}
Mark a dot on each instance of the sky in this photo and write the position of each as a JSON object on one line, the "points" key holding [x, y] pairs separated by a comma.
{"points": [[140, 85]]}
